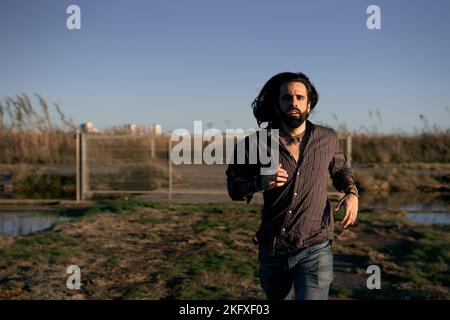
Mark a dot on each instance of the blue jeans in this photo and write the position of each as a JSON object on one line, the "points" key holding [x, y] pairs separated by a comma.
{"points": [[307, 274]]}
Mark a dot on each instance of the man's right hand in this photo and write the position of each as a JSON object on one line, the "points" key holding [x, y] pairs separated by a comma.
{"points": [[275, 180]]}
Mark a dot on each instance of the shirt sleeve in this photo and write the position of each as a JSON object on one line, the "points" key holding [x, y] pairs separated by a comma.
{"points": [[241, 177], [339, 168]]}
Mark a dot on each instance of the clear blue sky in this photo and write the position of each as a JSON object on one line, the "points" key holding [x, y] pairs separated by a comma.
{"points": [[173, 62]]}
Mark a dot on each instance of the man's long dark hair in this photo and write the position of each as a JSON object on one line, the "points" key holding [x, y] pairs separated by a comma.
{"points": [[266, 102]]}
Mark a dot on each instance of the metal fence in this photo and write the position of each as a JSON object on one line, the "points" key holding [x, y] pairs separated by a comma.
{"points": [[140, 164], [109, 164]]}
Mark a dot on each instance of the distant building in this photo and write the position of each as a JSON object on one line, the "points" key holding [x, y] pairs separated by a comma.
{"points": [[88, 127], [132, 128], [156, 129]]}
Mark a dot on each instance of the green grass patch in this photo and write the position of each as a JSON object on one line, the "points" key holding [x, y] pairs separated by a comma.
{"points": [[216, 261], [183, 277], [46, 185], [39, 247], [131, 204]]}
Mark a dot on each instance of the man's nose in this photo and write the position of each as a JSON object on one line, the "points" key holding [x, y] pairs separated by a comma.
{"points": [[294, 102]]}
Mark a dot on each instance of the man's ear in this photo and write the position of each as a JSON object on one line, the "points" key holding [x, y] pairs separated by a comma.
{"points": [[309, 106]]}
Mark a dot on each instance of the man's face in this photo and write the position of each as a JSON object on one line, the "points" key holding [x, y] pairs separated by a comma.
{"points": [[293, 104]]}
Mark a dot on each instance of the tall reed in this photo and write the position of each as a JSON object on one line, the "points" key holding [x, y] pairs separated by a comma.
{"points": [[29, 135]]}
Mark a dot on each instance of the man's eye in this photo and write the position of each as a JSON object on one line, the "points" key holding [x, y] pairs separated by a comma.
{"points": [[300, 97]]}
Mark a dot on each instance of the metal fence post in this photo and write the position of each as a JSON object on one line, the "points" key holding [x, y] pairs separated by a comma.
{"points": [[349, 149], [152, 147], [77, 165], [170, 168], [83, 168]]}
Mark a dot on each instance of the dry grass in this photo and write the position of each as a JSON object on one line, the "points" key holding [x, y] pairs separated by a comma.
{"points": [[44, 135], [31, 136], [409, 177], [428, 146]]}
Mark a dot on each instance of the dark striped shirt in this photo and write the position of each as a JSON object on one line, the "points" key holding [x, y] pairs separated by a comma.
{"points": [[297, 214]]}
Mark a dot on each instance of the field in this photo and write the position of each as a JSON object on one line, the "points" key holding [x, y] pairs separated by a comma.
{"points": [[134, 249]]}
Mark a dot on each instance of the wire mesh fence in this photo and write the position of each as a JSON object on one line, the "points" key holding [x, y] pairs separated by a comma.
{"points": [[123, 163], [142, 164], [109, 164]]}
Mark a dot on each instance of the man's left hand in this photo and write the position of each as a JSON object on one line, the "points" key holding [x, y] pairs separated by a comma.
{"points": [[350, 203]]}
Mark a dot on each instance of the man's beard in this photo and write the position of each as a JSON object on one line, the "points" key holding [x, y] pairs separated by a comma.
{"points": [[293, 119]]}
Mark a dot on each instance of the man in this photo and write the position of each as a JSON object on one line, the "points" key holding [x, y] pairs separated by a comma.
{"points": [[296, 230]]}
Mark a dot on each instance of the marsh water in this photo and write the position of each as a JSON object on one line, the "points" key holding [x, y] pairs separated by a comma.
{"points": [[26, 222], [418, 207]]}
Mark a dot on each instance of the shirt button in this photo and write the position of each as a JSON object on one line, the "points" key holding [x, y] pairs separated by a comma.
{"points": [[295, 193], [290, 211], [298, 173], [283, 229]]}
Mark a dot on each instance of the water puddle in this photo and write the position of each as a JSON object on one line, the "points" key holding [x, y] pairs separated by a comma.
{"points": [[429, 217], [424, 208], [23, 223]]}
